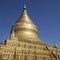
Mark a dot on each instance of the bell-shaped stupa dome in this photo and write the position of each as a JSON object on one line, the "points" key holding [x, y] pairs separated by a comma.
{"points": [[24, 27], [25, 30]]}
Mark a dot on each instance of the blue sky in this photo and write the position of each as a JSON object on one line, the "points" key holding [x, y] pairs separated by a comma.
{"points": [[44, 13]]}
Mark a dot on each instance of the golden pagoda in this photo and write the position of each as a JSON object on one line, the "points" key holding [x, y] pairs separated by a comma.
{"points": [[24, 43]]}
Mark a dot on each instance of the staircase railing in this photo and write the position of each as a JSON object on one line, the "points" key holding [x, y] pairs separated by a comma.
{"points": [[54, 55]]}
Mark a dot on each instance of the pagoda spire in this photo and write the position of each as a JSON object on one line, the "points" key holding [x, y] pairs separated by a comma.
{"points": [[3, 41], [24, 6], [12, 34], [55, 45]]}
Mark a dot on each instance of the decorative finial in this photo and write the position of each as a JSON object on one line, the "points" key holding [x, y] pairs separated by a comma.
{"points": [[24, 6]]}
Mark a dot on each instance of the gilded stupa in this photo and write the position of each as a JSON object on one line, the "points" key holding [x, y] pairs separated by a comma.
{"points": [[24, 43]]}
